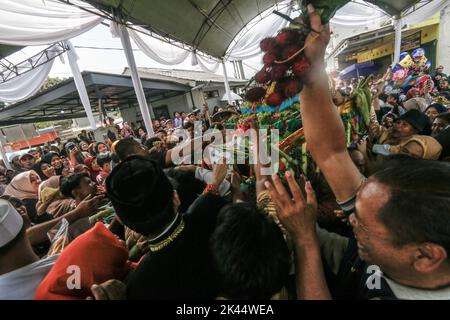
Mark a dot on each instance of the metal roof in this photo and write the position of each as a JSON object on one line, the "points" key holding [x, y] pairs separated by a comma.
{"points": [[394, 7], [62, 101], [190, 77], [208, 25]]}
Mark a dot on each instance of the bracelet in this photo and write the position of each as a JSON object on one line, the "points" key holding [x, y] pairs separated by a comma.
{"points": [[211, 188]]}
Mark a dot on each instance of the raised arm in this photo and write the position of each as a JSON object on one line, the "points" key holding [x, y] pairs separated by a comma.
{"points": [[324, 130], [90, 205]]}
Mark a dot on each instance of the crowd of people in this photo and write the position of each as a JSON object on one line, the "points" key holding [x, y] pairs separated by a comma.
{"points": [[404, 120], [372, 223]]}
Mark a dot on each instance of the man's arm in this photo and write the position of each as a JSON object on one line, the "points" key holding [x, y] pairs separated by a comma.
{"points": [[196, 144], [299, 216], [324, 130], [90, 205]]}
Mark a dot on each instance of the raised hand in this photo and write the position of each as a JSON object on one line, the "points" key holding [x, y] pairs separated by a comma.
{"points": [[318, 39], [297, 214], [108, 290], [220, 172], [90, 205]]}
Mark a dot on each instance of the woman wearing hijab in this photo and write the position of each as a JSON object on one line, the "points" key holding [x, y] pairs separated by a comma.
{"points": [[44, 170], [101, 147], [53, 159], [25, 186], [84, 147], [433, 110], [51, 200], [94, 168]]}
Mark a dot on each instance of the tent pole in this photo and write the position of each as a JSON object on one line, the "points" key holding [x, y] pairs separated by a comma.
{"points": [[227, 84], [3, 152], [126, 44], [79, 84], [398, 23]]}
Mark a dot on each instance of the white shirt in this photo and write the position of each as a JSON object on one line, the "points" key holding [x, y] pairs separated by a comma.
{"points": [[22, 283], [207, 176]]}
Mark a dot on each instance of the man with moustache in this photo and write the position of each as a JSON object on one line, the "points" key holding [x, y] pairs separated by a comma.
{"points": [[400, 215]]}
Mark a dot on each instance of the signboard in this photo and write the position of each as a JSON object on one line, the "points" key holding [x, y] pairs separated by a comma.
{"points": [[411, 42]]}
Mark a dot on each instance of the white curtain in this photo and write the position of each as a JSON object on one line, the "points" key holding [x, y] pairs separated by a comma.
{"points": [[358, 14], [426, 11], [165, 53], [41, 22], [157, 50], [207, 65], [247, 45], [79, 84], [27, 84]]}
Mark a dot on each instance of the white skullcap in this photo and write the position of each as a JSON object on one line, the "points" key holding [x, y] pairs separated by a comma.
{"points": [[10, 222]]}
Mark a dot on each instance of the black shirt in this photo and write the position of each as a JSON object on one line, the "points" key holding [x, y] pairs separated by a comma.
{"points": [[444, 139], [183, 269]]}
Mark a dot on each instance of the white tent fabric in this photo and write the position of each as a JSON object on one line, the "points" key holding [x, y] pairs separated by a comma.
{"points": [[207, 65], [41, 22], [27, 84], [247, 45], [166, 53], [157, 50], [234, 97], [358, 14], [425, 12], [354, 15], [79, 84]]}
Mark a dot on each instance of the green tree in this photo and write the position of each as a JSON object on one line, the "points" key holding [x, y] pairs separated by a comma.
{"points": [[51, 82]]}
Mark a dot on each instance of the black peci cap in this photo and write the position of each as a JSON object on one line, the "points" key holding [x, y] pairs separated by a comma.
{"points": [[141, 194]]}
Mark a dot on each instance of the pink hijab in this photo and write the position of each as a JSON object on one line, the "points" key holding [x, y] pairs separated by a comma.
{"points": [[20, 186]]}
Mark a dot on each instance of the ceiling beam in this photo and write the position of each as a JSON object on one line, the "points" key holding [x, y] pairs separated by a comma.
{"points": [[41, 119]]}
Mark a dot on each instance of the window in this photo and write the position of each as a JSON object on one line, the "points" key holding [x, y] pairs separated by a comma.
{"points": [[212, 94], [161, 111]]}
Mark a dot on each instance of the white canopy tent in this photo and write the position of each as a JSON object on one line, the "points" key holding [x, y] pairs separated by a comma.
{"points": [[169, 32]]}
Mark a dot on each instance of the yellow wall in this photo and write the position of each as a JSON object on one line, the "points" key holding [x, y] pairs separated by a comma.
{"points": [[429, 33]]}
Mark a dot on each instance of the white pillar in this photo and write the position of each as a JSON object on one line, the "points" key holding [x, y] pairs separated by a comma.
{"points": [[3, 152], [444, 39], [79, 84], [398, 24], [126, 44], [227, 85]]}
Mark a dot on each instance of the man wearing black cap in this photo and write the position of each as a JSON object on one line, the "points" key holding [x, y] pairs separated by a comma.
{"points": [[410, 134], [179, 263]]}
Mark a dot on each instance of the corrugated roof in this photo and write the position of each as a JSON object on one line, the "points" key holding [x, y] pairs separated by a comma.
{"points": [[182, 76]]}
